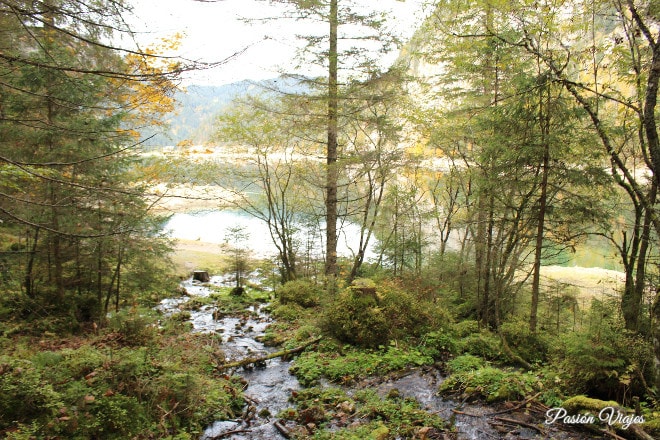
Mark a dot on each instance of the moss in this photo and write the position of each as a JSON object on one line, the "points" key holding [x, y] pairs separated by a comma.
{"points": [[652, 427], [578, 404], [484, 344], [364, 415], [304, 293], [492, 384], [371, 317], [465, 363], [107, 386]]}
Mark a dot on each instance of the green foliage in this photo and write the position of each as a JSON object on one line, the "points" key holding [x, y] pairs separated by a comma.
{"points": [[26, 394], [492, 384], [303, 292], [438, 343], [112, 388], [375, 417], [532, 347], [350, 364], [237, 291], [118, 416], [465, 363], [371, 317], [136, 326], [484, 344], [605, 360], [466, 328], [23, 432], [356, 319], [288, 312], [652, 425]]}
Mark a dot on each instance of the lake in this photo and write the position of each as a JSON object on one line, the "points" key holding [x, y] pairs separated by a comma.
{"points": [[211, 227]]}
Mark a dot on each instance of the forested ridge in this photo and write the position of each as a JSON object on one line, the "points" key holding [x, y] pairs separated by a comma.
{"points": [[509, 138]]}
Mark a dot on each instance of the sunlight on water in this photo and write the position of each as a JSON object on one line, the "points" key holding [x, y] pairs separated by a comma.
{"points": [[211, 227]]}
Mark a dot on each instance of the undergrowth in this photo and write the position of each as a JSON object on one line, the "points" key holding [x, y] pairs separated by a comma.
{"points": [[349, 364], [330, 413], [132, 380]]}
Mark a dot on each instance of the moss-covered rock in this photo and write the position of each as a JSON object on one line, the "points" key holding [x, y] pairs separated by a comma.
{"points": [[581, 404]]}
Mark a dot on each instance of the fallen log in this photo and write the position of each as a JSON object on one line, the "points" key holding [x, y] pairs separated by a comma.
{"points": [[254, 360], [517, 407], [521, 423], [286, 432]]}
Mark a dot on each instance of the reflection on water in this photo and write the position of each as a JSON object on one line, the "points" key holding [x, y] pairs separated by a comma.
{"points": [[211, 227]]}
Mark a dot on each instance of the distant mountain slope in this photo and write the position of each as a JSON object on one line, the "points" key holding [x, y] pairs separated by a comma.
{"points": [[197, 106]]}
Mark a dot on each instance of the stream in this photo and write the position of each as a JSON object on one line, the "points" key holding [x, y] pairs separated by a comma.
{"points": [[270, 384]]}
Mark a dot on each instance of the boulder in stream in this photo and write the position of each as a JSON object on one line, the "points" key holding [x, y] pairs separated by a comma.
{"points": [[202, 276]]}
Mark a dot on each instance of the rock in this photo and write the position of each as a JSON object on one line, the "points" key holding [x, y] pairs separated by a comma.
{"points": [[394, 393], [346, 407], [202, 276]]}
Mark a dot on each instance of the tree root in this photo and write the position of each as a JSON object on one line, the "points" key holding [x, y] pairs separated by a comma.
{"points": [[519, 422]]}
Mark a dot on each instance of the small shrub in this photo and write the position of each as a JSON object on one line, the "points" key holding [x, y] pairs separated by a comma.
{"points": [[237, 291], [304, 293], [306, 332], [23, 432], [287, 312], [118, 416], [484, 344], [466, 328], [491, 384], [370, 317], [79, 363], [26, 395], [410, 315], [532, 347], [440, 342], [465, 363], [356, 319], [136, 326], [607, 368]]}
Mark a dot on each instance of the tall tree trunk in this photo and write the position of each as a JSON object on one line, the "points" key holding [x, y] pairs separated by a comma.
{"points": [[635, 266], [332, 172], [487, 316], [29, 277], [655, 333], [538, 247], [55, 239], [544, 117], [480, 256]]}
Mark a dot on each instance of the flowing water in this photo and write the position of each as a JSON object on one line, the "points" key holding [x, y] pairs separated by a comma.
{"points": [[269, 385]]}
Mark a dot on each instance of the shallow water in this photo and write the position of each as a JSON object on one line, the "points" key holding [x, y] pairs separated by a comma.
{"points": [[270, 385]]}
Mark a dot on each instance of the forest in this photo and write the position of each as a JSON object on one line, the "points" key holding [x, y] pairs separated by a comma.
{"points": [[464, 241]]}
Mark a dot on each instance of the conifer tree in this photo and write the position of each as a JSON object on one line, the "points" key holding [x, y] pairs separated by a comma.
{"points": [[343, 55], [71, 106]]}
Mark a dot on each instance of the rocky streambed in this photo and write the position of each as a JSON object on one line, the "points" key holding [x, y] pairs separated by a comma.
{"points": [[269, 385]]}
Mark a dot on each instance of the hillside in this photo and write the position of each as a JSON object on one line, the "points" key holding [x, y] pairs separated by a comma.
{"points": [[198, 105]]}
